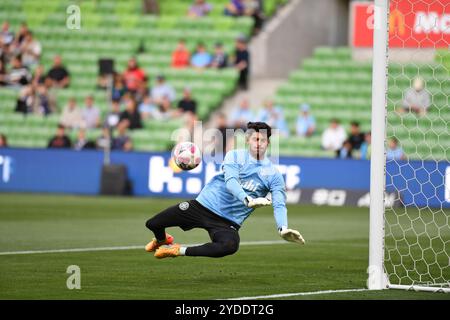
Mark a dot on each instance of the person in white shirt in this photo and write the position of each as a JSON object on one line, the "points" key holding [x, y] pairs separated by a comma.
{"points": [[241, 115], [148, 109], [334, 136], [161, 90], [416, 99], [91, 114], [71, 116], [31, 50]]}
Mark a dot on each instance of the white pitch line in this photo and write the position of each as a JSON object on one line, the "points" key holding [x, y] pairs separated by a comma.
{"points": [[244, 243], [284, 295]]}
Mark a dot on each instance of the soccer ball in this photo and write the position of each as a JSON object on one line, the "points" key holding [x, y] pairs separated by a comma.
{"points": [[187, 155]]}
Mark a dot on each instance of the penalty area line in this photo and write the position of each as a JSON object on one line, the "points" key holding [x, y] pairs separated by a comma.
{"points": [[6, 253], [285, 295]]}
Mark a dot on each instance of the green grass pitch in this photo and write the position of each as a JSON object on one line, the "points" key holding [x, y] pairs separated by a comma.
{"points": [[335, 256]]}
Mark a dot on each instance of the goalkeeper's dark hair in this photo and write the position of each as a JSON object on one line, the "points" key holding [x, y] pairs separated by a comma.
{"points": [[260, 127]]}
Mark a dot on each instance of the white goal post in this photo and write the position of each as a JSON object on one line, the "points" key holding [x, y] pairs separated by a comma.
{"points": [[409, 241]]}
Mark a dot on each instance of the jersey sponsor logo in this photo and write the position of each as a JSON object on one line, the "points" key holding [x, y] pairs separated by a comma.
{"points": [[184, 206], [250, 185]]}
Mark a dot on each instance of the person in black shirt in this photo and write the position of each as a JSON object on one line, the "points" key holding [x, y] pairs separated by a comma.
{"points": [[187, 104], [26, 101], [58, 74], [242, 62], [60, 140], [356, 137], [19, 75], [131, 114], [122, 141], [82, 142], [220, 58]]}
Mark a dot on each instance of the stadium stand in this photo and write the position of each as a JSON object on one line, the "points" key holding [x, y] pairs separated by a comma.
{"points": [[337, 87], [149, 38], [330, 81]]}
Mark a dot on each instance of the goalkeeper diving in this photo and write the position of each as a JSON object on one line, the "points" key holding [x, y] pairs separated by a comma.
{"points": [[247, 178]]}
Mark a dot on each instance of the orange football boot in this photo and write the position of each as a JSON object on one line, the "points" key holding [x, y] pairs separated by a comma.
{"points": [[154, 244], [168, 252]]}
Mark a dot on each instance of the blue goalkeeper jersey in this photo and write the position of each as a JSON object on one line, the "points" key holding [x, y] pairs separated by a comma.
{"points": [[241, 176]]}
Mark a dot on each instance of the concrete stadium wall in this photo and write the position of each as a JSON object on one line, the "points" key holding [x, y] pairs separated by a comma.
{"points": [[293, 34]]}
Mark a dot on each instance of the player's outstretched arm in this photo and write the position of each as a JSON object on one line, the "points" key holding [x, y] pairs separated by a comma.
{"points": [[280, 212], [291, 235]]}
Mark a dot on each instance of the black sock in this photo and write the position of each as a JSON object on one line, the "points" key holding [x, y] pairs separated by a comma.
{"points": [[160, 235], [212, 249]]}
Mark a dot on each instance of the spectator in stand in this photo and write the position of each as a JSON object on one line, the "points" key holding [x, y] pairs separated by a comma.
{"points": [[19, 75], [141, 92], [82, 142], [241, 115], [274, 117], [113, 117], [147, 109], [104, 141], [251, 8], [35, 100], [3, 141], [235, 8], [122, 141], [26, 101], [133, 76], [180, 56], [365, 150], [242, 62], [188, 108], [162, 89], [31, 50], [356, 137], [39, 76], [333, 137], [165, 108], [394, 151], [220, 58], [306, 123], [58, 75], [71, 117], [21, 34], [90, 113], [187, 104], [345, 152], [416, 99], [131, 114], [254, 9], [201, 58], [118, 89], [46, 104], [199, 8], [60, 140], [6, 36]]}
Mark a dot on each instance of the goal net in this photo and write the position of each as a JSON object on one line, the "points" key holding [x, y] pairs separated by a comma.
{"points": [[415, 243]]}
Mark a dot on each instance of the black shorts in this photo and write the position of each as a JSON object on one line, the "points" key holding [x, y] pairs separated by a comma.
{"points": [[191, 214]]}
